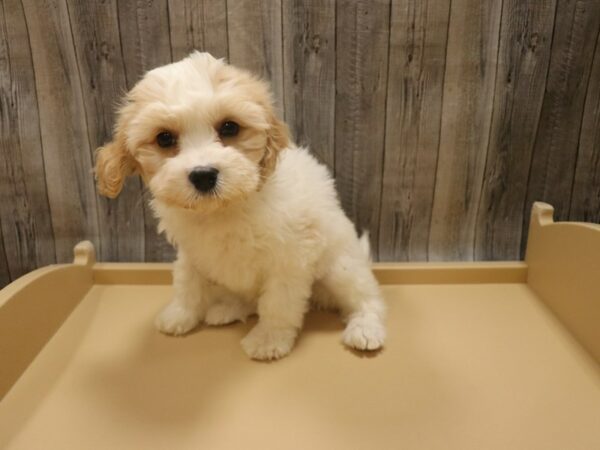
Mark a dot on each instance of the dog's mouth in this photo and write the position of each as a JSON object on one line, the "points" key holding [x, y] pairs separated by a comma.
{"points": [[196, 201], [198, 198]]}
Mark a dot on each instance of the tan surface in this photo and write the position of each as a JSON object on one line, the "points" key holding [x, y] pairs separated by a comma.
{"points": [[29, 315], [563, 262], [386, 273], [466, 367]]}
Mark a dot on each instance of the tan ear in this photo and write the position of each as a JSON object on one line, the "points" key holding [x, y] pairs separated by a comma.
{"points": [[278, 138], [113, 165]]}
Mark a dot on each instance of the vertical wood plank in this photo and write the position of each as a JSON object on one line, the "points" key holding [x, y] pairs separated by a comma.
{"points": [[145, 36], [198, 25], [28, 238], [95, 29], [524, 55], [585, 205], [418, 37], [255, 41], [555, 151], [466, 115], [309, 74], [362, 33], [4, 273], [66, 149], [145, 42]]}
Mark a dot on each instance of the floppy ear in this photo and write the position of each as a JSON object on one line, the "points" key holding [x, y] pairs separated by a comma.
{"points": [[113, 165], [278, 138]]}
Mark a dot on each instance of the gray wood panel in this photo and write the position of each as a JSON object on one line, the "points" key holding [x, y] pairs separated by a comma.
{"points": [[585, 202], [145, 36], [524, 55], [362, 33], [95, 28], [555, 152], [255, 41], [26, 227], [5, 277], [419, 33], [309, 74], [198, 25], [442, 120], [466, 117], [145, 43], [66, 150]]}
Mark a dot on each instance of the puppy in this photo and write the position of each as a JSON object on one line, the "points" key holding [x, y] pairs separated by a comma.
{"points": [[255, 220]]}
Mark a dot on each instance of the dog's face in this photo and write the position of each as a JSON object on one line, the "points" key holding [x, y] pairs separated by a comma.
{"points": [[201, 134]]}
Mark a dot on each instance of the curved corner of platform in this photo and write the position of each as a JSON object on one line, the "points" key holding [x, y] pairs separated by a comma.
{"points": [[542, 214], [549, 237], [563, 261], [34, 306], [84, 254]]}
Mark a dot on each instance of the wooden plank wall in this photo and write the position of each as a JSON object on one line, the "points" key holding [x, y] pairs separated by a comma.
{"points": [[442, 120]]}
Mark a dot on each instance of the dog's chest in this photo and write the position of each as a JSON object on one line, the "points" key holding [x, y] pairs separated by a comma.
{"points": [[226, 255]]}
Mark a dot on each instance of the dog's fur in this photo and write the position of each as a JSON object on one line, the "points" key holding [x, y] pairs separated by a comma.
{"points": [[270, 235]]}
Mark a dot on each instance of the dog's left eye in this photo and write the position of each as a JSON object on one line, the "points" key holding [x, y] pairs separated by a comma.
{"points": [[165, 139], [229, 129]]}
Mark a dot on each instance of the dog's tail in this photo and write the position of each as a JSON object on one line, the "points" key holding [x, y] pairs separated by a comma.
{"points": [[365, 245]]}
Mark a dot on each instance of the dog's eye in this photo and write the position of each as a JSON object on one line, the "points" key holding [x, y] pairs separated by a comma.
{"points": [[229, 129], [165, 139]]}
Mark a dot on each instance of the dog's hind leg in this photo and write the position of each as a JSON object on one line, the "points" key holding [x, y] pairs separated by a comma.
{"points": [[355, 291]]}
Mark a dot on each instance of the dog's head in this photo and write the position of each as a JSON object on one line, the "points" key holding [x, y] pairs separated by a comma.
{"points": [[201, 133]]}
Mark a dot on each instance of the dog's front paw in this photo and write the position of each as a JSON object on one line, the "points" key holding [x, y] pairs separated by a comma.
{"points": [[176, 320], [364, 333], [269, 343], [223, 313]]}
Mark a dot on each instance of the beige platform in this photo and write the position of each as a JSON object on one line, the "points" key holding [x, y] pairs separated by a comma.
{"points": [[479, 356]]}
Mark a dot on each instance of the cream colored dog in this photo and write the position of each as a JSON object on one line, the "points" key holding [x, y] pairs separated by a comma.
{"points": [[255, 219]]}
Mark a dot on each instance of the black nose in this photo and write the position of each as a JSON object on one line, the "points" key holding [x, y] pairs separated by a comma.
{"points": [[204, 178]]}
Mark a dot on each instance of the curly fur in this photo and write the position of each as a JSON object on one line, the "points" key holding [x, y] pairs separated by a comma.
{"points": [[270, 236]]}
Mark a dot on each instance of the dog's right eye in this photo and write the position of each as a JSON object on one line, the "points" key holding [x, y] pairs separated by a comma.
{"points": [[165, 139], [229, 129]]}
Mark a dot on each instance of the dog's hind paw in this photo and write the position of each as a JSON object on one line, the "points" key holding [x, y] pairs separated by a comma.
{"points": [[176, 320]]}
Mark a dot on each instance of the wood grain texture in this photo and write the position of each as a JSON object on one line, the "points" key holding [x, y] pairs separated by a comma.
{"points": [[585, 202], [145, 43], [419, 32], [26, 229], [309, 74], [466, 116], [523, 58], [198, 25], [95, 29], [555, 152], [145, 36], [5, 277], [66, 149], [255, 41], [362, 33], [441, 119]]}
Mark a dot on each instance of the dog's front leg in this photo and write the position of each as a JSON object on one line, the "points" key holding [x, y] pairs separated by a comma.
{"points": [[189, 303], [281, 310]]}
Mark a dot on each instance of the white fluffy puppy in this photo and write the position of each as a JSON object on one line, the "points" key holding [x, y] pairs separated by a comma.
{"points": [[255, 220]]}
